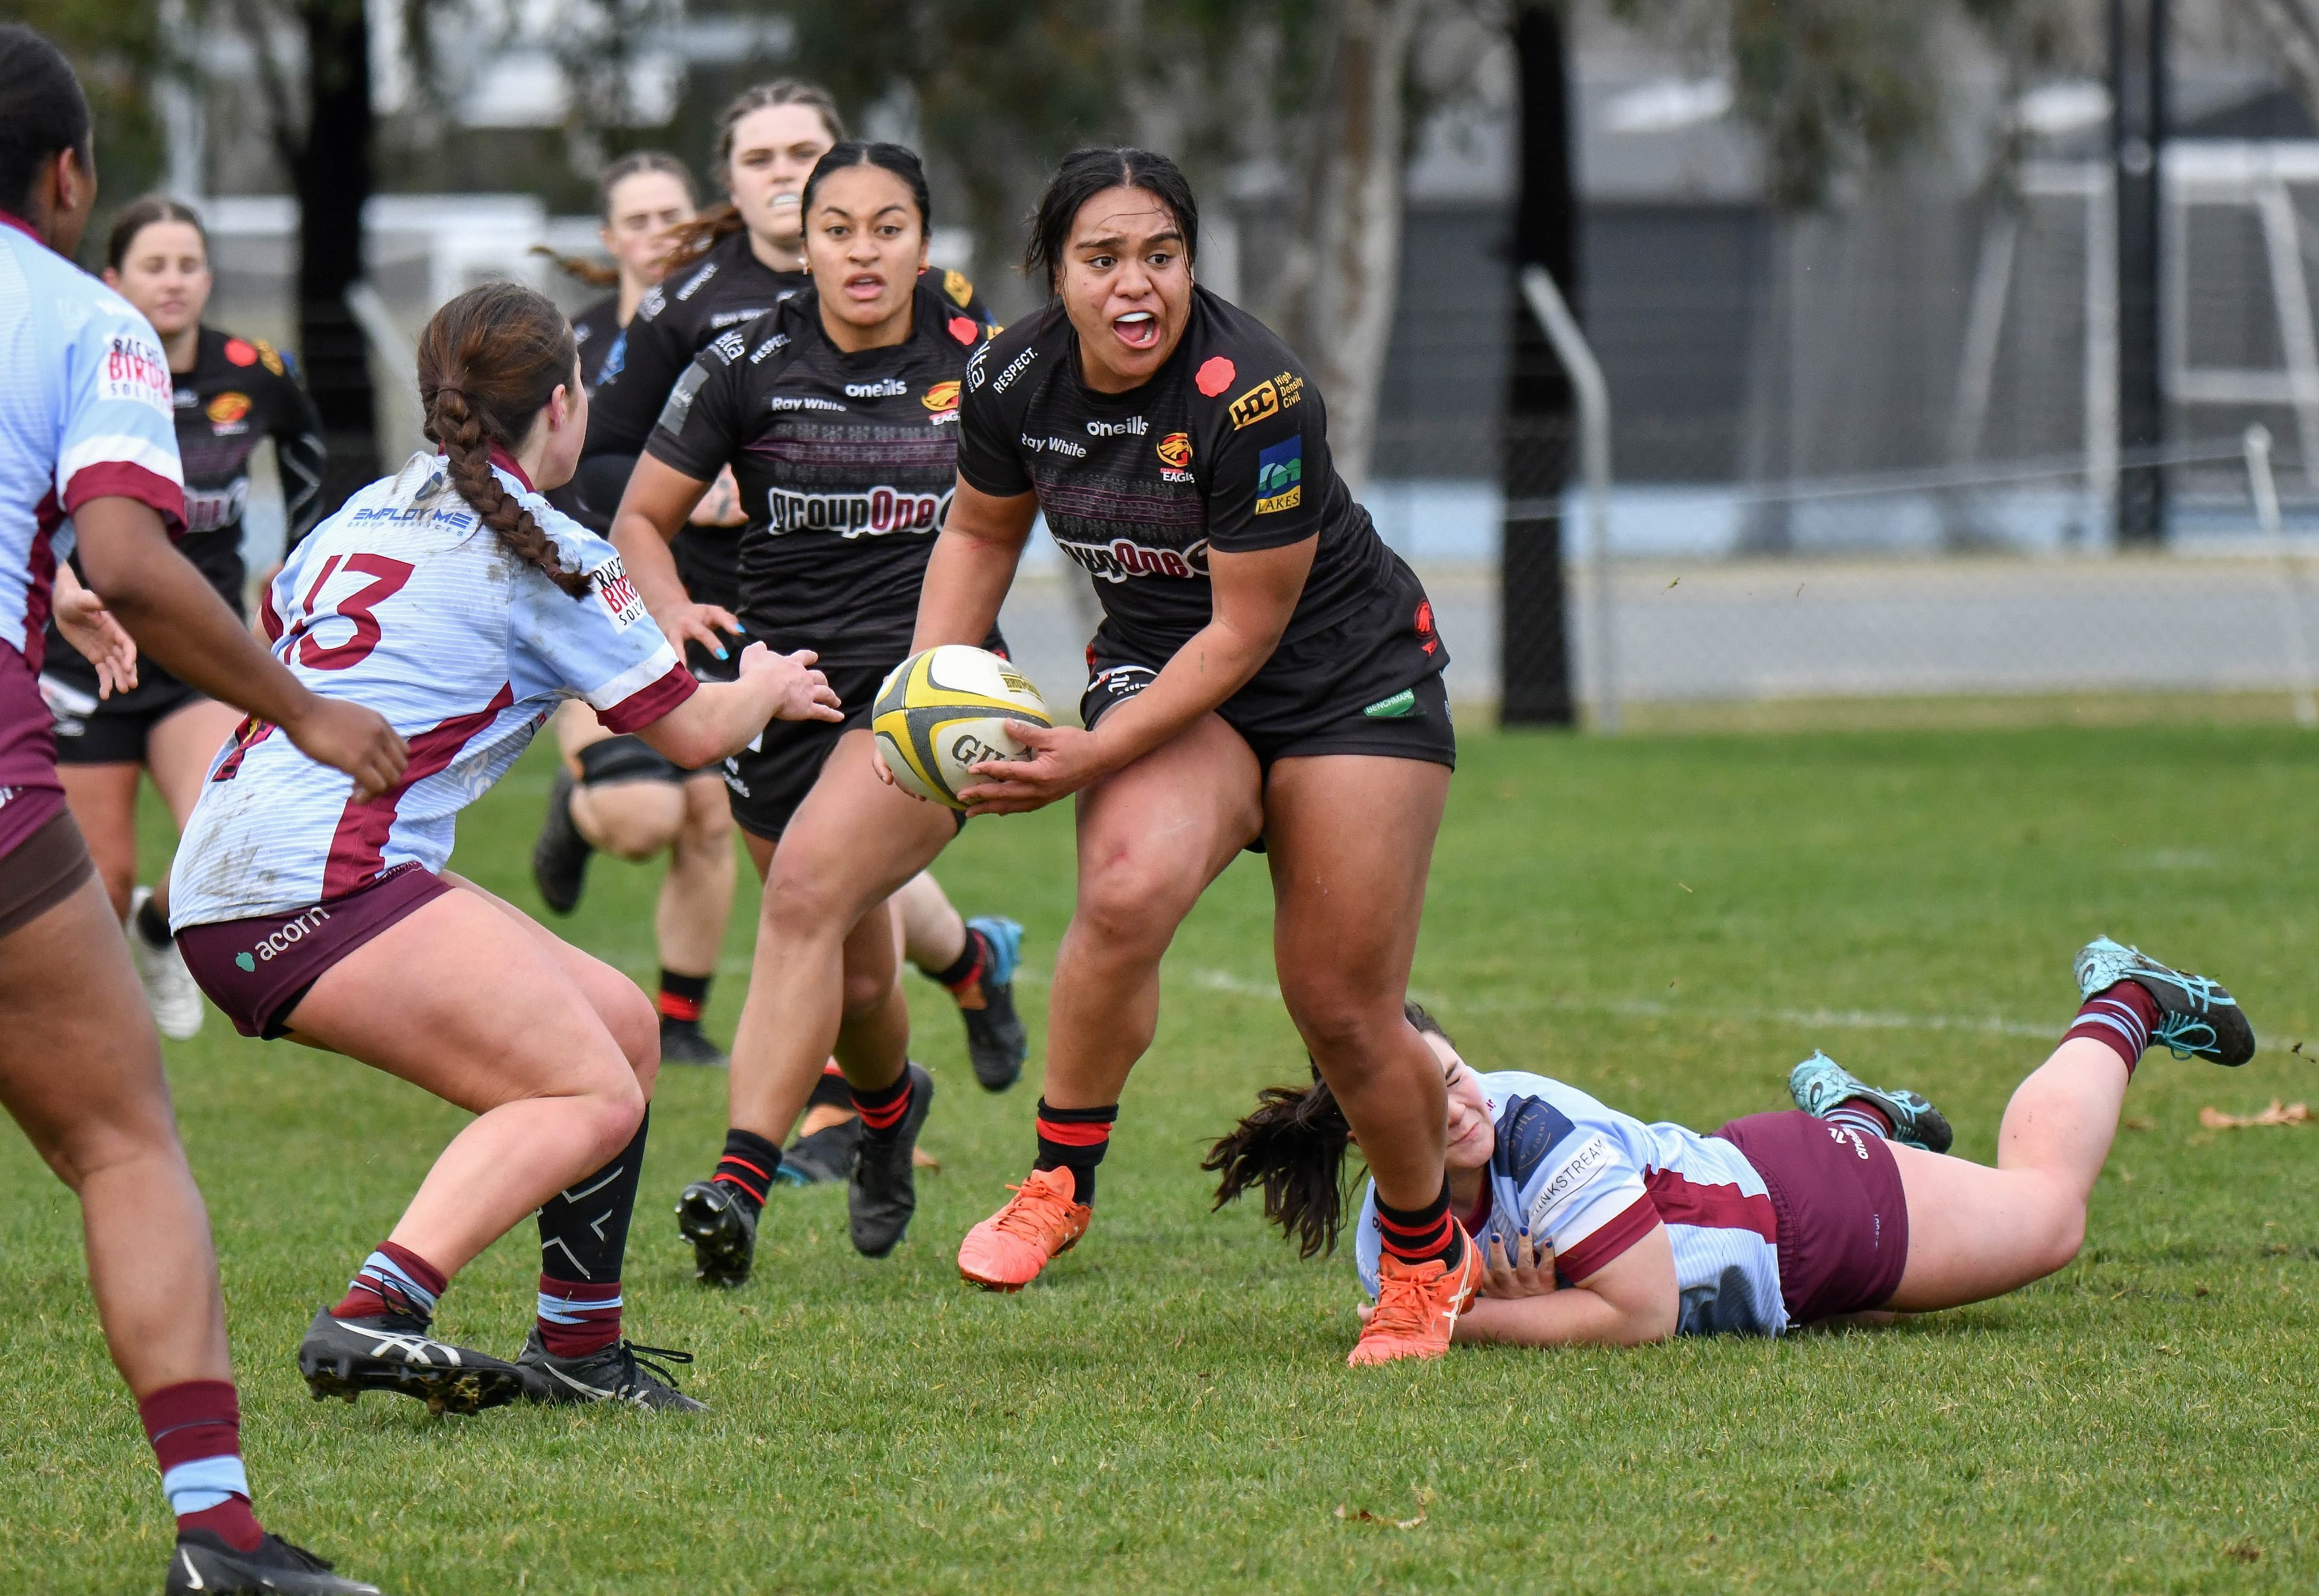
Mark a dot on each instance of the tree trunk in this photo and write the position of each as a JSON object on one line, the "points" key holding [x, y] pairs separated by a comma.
{"points": [[1357, 220], [1536, 685], [333, 175]]}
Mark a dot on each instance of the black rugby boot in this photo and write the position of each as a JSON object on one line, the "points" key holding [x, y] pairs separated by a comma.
{"points": [[826, 1155], [884, 1192], [559, 857], [623, 1372], [2197, 1018], [996, 1043], [344, 1357], [721, 1224], [683, 1041], [202, 1564]]}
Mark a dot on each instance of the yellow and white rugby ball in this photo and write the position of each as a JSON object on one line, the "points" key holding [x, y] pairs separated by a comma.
{"points": [[940, 712]]}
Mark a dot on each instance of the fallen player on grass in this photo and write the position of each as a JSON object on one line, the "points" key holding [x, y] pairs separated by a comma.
{"points": [[1595, 1227]]}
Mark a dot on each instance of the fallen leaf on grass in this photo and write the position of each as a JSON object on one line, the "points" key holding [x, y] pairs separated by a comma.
{"points": [[2138, 1122], [2278, 1114], [1364, 1516], [2244, 1551]]}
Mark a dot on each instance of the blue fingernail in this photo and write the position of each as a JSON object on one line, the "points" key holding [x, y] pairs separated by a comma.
{"points": [[720, 653]]}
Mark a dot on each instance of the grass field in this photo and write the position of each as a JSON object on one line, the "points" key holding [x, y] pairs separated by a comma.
{"points": [[1668, 922]]}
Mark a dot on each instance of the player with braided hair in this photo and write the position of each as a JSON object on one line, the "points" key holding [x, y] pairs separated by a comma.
{"points": [[455, 600]]}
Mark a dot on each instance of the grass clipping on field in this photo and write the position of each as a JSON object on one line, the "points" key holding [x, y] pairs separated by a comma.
{"points": [[2278, 1114]]}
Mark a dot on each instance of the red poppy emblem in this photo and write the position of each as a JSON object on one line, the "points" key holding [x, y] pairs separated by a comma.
{"points": [[1215, 376], [961, 329], [240, 353]]}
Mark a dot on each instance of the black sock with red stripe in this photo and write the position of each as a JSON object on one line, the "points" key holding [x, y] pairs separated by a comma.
{"points": [[748, 1166], [883, 1108], [967, 970], [1074, 1139], [682, 997], [1421, 1235]]}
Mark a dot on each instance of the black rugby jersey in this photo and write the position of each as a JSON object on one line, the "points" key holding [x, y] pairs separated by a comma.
{"points": [[596, 331], [845, 462], [1226, 447]]}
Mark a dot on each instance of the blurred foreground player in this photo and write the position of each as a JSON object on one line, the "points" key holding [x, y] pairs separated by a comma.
{"points": [[1598, 1227], [1266, 671], [231, 394], [86, 433], [452, 596]]}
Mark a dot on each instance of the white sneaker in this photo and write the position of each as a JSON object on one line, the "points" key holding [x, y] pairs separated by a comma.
{"points": [[169, 988]]}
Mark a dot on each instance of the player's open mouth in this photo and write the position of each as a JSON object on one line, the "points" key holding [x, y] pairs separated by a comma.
{"points": [[865, 286], [1137, 329]]}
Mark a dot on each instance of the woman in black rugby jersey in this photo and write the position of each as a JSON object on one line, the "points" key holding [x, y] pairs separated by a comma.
{"points": [[1266, 671], [838, 413], [232, 393], [731, 264]]}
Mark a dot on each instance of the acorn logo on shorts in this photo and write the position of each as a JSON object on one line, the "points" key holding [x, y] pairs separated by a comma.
{"points": [[293, 931]]}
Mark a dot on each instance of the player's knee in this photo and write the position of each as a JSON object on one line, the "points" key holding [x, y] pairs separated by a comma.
{"points": [[1133, 900], [867, 990], [99, 1141], [805, 896], [708, 827], [634, 820], [612, 1117], [1339, 1018], [635, 1027]]}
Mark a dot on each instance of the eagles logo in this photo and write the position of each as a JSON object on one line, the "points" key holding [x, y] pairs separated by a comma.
{"points": [[1176, 450], [960, 290], [941, 398], [228, 407]]}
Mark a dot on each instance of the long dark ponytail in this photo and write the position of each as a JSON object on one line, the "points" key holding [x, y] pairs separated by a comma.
{"points": [[488, 362], [1294, 1147]]}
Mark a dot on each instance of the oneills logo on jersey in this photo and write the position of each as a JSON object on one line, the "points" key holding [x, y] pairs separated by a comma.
{"points": [[873, 514], [960, 290], [942, 397], [1280, 476], [1268, 398], [621, 601], [1120, 559], [884, 388], [1175, 452]]}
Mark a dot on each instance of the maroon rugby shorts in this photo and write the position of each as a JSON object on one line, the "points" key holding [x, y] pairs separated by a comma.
{"points": [[1843, 1219], [257, 970]]}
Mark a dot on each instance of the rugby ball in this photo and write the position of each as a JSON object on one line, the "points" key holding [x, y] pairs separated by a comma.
{"points": [[940, 712]]}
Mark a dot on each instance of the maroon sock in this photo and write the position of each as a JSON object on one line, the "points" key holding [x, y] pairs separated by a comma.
{"points": [[195, 1432], [2121, 1018], [1864, 1113], [577, 1318], [393, 1280]]}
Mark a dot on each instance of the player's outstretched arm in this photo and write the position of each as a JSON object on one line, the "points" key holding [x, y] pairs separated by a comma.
{"points": [[176, 616], [1627, 1302], [719, 719]]}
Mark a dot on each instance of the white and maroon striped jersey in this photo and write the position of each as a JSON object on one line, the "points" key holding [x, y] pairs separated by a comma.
{"points": [[406, 603], [1591, 1182], [85, 413]]}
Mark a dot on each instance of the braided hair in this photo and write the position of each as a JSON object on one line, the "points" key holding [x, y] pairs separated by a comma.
{"points": [[1294, 1147], [488, 362]]}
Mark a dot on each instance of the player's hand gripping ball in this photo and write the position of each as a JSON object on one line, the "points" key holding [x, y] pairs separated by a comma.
{"points": [[940, 713]]}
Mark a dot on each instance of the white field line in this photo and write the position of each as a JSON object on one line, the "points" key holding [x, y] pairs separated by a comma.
{"points": [[1221, 980]]}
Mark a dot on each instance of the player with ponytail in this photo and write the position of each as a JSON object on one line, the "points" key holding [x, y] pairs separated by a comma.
{"points": [[1593, 1226], [453, 599]]}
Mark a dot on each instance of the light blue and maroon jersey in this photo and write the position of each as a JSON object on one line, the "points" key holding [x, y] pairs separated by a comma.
{"points": [[406, 603], [85, 413], [1591, 1182]]}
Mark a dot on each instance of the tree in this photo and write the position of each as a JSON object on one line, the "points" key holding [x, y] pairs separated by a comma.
{"points": [[117, 50]]}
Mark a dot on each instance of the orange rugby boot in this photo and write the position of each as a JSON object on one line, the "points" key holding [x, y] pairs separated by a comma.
{"points": [[1417, 1307], [1006, 1251]]}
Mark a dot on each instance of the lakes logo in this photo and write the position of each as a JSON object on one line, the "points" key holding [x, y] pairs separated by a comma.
{"points": [[941, 398], [1280, 476]]}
